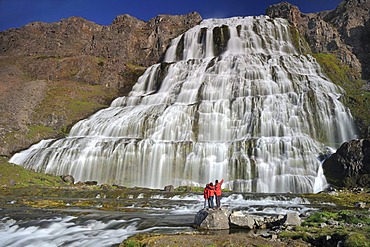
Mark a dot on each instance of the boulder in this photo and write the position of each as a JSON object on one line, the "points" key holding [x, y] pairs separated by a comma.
{"points": [[360, 204], [292, 219], [68, 179], [212, 219], [223, 219], [251, 221], [238, 218], [169, 188], [349, 166]]}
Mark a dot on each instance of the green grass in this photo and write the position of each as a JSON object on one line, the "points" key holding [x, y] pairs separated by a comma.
{"points": [[353, 227], [343, 199], [343, 216], [70, 101], [357, 240], [35, 131], [355, 98], [131, 243], [15, 176], [299, 42]]}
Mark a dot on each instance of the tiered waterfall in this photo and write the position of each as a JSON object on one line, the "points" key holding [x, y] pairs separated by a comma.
{"points": [[232, 99]]}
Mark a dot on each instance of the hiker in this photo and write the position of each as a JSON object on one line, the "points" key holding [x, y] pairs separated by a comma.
{"points": [[205, 194], [211, 193], [218, 192]]}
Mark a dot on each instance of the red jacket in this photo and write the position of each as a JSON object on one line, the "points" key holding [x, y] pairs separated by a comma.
{"points": [[205, 192], [218, 190], [211, 190]]}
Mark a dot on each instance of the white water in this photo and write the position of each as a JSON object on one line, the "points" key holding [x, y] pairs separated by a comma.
{"points": [[259, 115], [63, 232], [171, 215]]}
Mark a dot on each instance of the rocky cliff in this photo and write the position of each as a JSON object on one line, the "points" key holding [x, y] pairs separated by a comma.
{"points": [[340, 41], [349, 166], [53, 74], [344, 31]]}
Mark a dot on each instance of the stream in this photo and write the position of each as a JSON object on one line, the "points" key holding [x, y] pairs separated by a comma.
{"points": [[160, 213]]}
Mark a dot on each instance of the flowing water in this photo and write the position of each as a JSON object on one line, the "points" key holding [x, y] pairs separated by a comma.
{"points": [[232, 99], [158, 214]]}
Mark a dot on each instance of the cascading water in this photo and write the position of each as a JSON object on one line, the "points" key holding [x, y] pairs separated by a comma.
{"points": [[233, 99]]}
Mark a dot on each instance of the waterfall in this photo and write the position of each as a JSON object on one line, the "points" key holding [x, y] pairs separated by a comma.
{"points": [[232, 99]]}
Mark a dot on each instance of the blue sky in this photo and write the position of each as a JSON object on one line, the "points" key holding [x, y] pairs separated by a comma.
{"points": [[17, 13]]}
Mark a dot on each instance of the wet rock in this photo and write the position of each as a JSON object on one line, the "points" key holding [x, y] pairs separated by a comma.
{"points": [[68, 179], [90, 183], [332, 222], [360, 204], [99, 196], [323, 225], [349, 166], [357, 190], [292, 219], [251, 221], [212, 219], [240, 219], [169, 188]]}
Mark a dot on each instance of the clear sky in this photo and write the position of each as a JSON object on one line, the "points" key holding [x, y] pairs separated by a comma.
{"points": [[17, 13]]}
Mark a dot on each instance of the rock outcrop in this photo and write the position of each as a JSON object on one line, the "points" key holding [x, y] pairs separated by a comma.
{"points": [[350, 165], [224, 219], [54, 74], [212, 219], [344, 31], [128, 38]]}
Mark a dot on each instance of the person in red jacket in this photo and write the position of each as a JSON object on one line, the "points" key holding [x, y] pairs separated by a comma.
{"points": [[218, 192], [205, 194], [211, 194]]}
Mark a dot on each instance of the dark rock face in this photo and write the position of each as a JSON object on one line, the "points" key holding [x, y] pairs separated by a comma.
{"points": [[344, 31], [350, 165]]}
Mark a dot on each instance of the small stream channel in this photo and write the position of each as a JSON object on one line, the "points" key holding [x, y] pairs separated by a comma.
{"points": [[136, 213]]}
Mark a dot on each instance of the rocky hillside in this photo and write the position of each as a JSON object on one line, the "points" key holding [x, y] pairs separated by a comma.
{"points": [[53, 74], [340, 41]]}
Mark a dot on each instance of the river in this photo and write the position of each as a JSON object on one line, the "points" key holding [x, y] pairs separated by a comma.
{"points": [[158, 213]]}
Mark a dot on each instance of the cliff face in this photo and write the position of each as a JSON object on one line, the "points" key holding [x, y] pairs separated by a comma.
{"points": [[101, 53], [53, 74], [344, 31], [339, 40]]}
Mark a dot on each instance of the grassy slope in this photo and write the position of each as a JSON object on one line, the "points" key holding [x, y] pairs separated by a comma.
{"points": [[13, 176], [357, 99]]}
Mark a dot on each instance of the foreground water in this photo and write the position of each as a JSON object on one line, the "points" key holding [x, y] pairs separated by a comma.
{"points": [[159, 213]]}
